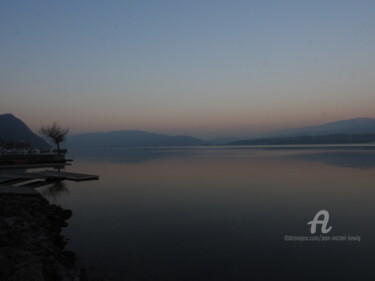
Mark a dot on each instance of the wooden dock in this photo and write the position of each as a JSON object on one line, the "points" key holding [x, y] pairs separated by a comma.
{"points": [[21, 173], [34, 166], [68, 176], [24, 183], [48, 174]]}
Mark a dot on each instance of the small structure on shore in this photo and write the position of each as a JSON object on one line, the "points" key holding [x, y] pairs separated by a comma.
{"points": [[17, 179]]}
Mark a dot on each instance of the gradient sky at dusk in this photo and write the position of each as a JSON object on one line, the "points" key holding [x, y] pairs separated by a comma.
{"points": [[203, 68]]}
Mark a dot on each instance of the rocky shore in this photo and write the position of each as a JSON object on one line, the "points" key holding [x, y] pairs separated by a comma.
{"points": [[31, 244]]}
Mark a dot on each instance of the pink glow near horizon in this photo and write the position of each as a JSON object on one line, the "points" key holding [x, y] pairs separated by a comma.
{"points": [[201, 69]]}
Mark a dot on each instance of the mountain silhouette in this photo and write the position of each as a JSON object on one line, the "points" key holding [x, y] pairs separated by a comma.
{"points": [[133, 138], [348, 127], [14, 130], [360, 130]]}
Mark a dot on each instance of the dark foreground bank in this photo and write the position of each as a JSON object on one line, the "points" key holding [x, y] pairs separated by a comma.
{"points": [[31, 244]]}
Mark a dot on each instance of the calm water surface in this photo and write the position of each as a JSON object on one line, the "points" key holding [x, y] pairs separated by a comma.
{"points": [[222, 213]]}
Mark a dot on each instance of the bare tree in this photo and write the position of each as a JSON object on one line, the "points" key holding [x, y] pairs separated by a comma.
{"points": [[55, 132]]}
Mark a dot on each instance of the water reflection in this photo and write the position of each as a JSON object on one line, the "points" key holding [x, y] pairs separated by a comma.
{"points": [[353, 159], [222, 215], [129, 155], [55, 190], [345, 156]]}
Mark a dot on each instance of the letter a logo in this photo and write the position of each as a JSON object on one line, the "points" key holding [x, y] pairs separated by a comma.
{"points": [[323, 222]]}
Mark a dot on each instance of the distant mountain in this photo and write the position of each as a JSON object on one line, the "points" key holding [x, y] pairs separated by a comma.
{"points": [[13, 129], [360, 130], [349, 127], [322, 139], [129, 138]]}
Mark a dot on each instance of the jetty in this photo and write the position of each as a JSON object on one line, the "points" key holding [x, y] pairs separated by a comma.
{"points": [[21, 179], [21, 170], [46, 175]]}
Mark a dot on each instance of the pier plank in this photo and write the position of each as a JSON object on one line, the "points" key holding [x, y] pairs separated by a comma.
{"points": [[70, 176], [21, 176]]}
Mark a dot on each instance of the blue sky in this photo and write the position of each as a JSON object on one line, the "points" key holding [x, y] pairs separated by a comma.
{"points": [[204, 68]]}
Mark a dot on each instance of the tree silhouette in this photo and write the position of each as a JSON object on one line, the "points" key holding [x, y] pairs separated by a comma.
{"points": [[55, 132]]}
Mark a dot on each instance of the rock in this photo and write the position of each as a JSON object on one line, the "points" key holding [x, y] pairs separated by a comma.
{"points": [[10, 221], [31, 244]]}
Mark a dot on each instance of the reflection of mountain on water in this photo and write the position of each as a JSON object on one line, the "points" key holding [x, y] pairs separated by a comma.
{"points": [[352, 159], [129, 155], [344, 156]]}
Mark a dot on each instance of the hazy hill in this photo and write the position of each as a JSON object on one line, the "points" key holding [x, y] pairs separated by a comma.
{"points": [[321, 139], [13, 129], [349, 127], [130, 138], [360, 130]]}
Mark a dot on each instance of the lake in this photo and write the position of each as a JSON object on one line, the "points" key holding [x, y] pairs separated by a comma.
{"points": [[223, 213]]}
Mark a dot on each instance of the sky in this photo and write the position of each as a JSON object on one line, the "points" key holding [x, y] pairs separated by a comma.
{"points": [[200, 67]]}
